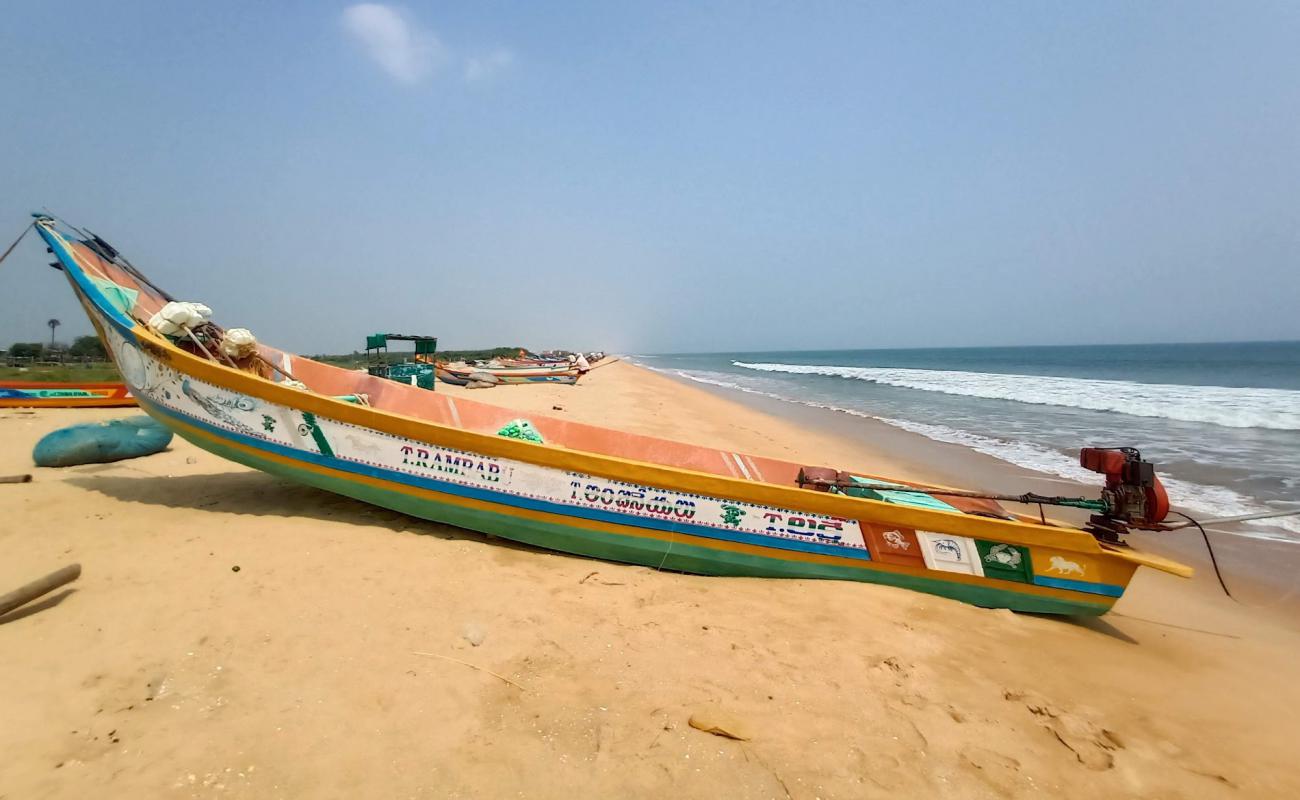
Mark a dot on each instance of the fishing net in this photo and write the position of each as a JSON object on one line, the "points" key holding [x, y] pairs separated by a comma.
{"points": [[99, 443], [521, 429]]}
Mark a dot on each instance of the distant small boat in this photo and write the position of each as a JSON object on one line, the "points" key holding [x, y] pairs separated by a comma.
{"points": [[460, 376], [527, 363], [37, 394], [496, 368], [447, 377]]}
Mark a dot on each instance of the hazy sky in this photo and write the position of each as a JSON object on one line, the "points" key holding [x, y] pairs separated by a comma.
{"points": [[668, 176]]}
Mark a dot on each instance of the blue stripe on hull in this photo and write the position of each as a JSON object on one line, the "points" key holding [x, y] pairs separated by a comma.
{"points": [[1107, 589]]}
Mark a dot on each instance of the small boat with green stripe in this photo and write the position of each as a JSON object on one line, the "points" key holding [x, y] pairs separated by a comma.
{"points": [[592, 491], [36, 394]]}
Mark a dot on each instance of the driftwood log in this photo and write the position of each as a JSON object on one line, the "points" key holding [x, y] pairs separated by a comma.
{"points": [[35, 589], [15, 478]]}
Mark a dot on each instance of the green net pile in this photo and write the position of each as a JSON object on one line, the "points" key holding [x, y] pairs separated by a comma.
{"points": [[521, 429]]}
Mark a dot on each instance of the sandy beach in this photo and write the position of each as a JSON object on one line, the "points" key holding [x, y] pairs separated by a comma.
{"points": [[234, 635]]}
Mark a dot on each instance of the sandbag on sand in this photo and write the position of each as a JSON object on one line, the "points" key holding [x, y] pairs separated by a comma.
{"points": [[101, 442]]}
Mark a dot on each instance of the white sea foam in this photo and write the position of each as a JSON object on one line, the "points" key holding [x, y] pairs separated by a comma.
{"points": [[1275, 409], [1198, 499]]}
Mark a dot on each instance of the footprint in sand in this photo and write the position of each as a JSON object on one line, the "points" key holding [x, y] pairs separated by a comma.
{"points": [[1093, 745], [886, 770], [893, 668], [1001, 772]]}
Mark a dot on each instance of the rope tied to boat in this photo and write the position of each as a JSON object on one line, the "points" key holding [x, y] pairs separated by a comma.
{"points": [[21, 236]]}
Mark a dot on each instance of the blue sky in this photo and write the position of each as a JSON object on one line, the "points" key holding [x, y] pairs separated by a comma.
{"points": [[668, 176]]}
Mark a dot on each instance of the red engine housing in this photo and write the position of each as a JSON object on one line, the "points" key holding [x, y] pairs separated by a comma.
{"points": [[1133, 493]]}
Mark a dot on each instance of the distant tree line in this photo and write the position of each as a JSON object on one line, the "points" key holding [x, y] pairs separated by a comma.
{"points": [[90, 348], [83, 348]]}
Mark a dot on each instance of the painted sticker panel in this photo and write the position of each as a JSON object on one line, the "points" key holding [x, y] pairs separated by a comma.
{"points": [[894, 545], [1006, 562], [1063, 564], [949, 553], [1066, 570]]}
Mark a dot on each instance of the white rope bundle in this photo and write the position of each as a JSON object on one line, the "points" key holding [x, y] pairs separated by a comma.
{"points": [[176, 318], [239, 343]]}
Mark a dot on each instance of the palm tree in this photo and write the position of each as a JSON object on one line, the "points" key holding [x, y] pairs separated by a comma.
{"points": [[54, 323]]}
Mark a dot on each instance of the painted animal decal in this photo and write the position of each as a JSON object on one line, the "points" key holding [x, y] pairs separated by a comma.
{"points": [[895, 539], [1064, 566], [947, 547], [1003, 554], [360, 444], [215, 409]]}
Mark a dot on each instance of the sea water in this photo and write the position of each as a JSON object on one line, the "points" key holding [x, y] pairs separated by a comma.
{"points": [[1221, 421]]}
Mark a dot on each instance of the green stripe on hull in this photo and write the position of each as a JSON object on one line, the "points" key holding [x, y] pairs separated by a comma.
{"points": [[640, 550]]}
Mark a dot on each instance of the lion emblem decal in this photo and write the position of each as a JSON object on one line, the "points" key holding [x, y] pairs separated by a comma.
{"points": [[1064, 566]]}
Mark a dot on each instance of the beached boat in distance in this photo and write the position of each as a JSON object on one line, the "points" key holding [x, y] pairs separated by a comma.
{"points": [[554, 363], [590, 490], [447, 377], [461, 375], [532, 371], [34, 394]]}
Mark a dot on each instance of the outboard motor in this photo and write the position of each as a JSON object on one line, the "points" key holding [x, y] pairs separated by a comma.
{"points": [[1133, 495]]}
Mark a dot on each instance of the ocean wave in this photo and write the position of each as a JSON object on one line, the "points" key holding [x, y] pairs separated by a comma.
{"points": [[1273, 409], [1210, 501]]}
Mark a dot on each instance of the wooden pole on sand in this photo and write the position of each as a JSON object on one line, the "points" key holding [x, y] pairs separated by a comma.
{"points": [[36, 588]]}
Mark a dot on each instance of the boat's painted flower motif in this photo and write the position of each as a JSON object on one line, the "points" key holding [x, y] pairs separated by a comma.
{"points": [[731, 514]]}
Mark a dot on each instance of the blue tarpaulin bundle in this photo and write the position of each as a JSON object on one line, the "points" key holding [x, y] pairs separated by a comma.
{"points": [[101, 442]]}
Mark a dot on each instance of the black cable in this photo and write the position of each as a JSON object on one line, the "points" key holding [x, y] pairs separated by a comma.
{"points": [[1210, 550]]}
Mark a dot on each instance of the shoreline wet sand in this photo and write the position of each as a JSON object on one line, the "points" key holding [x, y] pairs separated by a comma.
{"points": [[163, 672]]}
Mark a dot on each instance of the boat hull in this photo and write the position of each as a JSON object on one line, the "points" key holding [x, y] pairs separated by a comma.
{"points": [[33, 394], [611, 543], [525, 372], [595, 505], [555, 509], [454, 380], [462, 377]]}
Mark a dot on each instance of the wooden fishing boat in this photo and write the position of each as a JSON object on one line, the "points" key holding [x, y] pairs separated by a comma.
{"points": [[533, 363], [446, 377], [507, 376], [502, 370], [35, 394], [588, 490]]}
